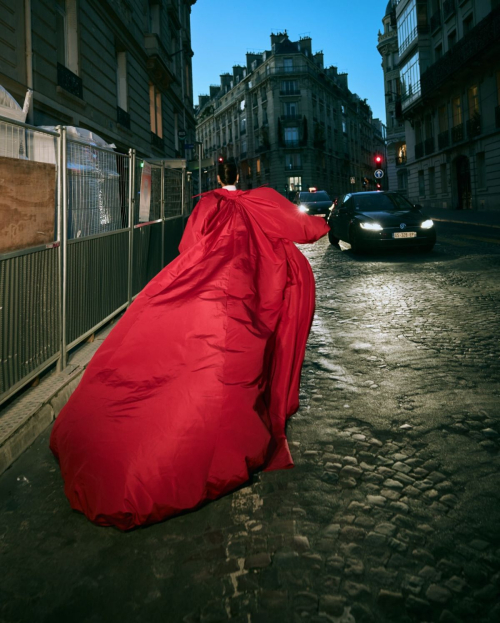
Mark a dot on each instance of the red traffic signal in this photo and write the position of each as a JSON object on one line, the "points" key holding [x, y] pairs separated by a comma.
{"points": [[378, 159], [220, 159], [379, 186]]}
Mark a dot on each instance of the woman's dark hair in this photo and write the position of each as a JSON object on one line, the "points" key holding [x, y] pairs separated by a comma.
{"points": [[228, 172]]}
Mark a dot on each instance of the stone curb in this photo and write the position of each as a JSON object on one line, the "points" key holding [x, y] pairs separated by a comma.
{"points": [[22, 421]]}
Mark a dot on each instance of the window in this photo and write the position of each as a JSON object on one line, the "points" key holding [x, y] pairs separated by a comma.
{"points": [[242, 104], [407, 26], [452, 39], [294, 184], [402, 180], [154, 17], [121, 80], [421, 183], [288, 64], [243, 124], [432, 181], [344, 127], [155, 111], [480, 170], [444, 179], [289, 87], [290, 109], [456, 111], [293, 161], [67, 35], [473, 100], [410, 79], [438, 52], [291, 135], [443, 119], [467, 24]]}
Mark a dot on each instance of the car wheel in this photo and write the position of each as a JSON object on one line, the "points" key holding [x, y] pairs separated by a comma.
{"points": [[333, 240], [354, 241]]}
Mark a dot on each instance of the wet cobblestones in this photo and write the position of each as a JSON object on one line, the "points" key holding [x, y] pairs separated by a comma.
{"points": [[392, 510]]}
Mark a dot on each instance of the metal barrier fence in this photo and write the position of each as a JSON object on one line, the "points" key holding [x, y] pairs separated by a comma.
{"points": [[106, 246]]}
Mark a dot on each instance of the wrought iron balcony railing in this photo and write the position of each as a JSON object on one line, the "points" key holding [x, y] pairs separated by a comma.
{"points": [[293, 167], [157, 141], [443, 139], [292, 143], [429, 146], [69, 81], [419, 150], [457, 133], [474, 126], [290, 92]]}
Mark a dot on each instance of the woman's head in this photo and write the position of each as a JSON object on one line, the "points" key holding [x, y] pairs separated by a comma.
{"points": [[227, 173]]}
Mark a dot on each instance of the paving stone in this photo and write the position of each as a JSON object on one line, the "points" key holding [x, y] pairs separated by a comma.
{"points": [[390, 494], [357, 507], [375, 500], [389, 599], [411, 491], [386, 528], [455, 584], [398, 545], [417, 605], [373, 539], [399, 507], [394, 484], [258, 561], [348, 482], [419, 472], [436, 477], [351, 533], [479, 544], [412, 584], [449, 500], [332, 605], [364, 522], [430, 574], [448, 617], [366, 467], [332, 530], [349, 460], [353, 589], [305, 602], [438, 594], [350, 471], [401, 467], [335, 563], [300, 543]]}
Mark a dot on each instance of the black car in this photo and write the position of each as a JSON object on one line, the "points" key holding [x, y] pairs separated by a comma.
{"points": [[380, 219], [314, 202]]}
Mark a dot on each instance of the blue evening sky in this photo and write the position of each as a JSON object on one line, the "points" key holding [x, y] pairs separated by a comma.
{"points": [[345, 30]]}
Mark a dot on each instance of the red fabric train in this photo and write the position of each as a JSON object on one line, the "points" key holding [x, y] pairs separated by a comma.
{"points": [[191, 390]]}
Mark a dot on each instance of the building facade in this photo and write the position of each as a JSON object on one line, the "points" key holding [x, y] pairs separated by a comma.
{"points": [[120, 68], [397, 178], [289, 122], [449, 64]]}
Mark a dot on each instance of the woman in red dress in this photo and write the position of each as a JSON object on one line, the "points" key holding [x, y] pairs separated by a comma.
{"points": [[191, 390]]}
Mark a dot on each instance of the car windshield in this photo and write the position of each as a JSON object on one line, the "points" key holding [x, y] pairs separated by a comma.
{"points": [[381, 203], [319, 196]]}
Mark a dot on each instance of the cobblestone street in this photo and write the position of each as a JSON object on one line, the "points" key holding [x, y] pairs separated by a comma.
{"points": [[391, 513]]}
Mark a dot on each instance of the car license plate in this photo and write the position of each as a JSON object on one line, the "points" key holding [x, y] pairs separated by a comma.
{"points": [[405, 234]]}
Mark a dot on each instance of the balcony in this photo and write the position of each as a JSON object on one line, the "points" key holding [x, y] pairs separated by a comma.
{"points": [[436, 20], [292, 143], [477, 45], [497, 116], [293, 167], [157, 63], [429, 146], [290, 92], [173, 13], [474, 126], [69, 81], [419, 150], [443, 139], [400, 161], [457, 133], [448, 8], [291, 117]]}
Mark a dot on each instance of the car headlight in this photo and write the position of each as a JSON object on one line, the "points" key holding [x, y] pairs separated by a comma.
{"points": [[371, 226], [427, 224], [303, 208]]}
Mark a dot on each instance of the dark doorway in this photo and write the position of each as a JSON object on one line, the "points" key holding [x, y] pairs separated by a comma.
{"points": [[462, 168]]}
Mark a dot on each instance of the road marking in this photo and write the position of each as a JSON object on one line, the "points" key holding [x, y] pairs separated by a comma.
{"points": [[445, 220]]}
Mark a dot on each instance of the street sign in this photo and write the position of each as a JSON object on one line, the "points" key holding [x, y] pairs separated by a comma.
{"points": [[181, 134], [379, 174], [353, 180], [188, 146]]}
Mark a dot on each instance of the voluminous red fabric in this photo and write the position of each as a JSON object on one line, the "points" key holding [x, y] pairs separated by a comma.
{"points": [[191, 390]]}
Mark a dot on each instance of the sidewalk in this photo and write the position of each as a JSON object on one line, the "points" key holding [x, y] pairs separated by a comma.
{"points": [[466, 217]]}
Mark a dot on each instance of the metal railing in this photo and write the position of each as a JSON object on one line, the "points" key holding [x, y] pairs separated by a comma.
{"points": [[97, 247], [443, 139]]}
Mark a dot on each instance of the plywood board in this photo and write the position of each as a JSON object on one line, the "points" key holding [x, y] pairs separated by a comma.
{"points": [[27, 203]]}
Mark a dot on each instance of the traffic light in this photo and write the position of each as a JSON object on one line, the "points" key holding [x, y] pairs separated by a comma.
{"points": [[379, 186], [220, 159], [378, 160]]}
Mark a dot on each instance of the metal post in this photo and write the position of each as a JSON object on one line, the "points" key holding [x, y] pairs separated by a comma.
{"points": [[62, 216], [162, 214], [131, 203]]}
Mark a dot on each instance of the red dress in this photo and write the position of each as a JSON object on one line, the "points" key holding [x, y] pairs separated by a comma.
{"points": [[191, 390]]}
